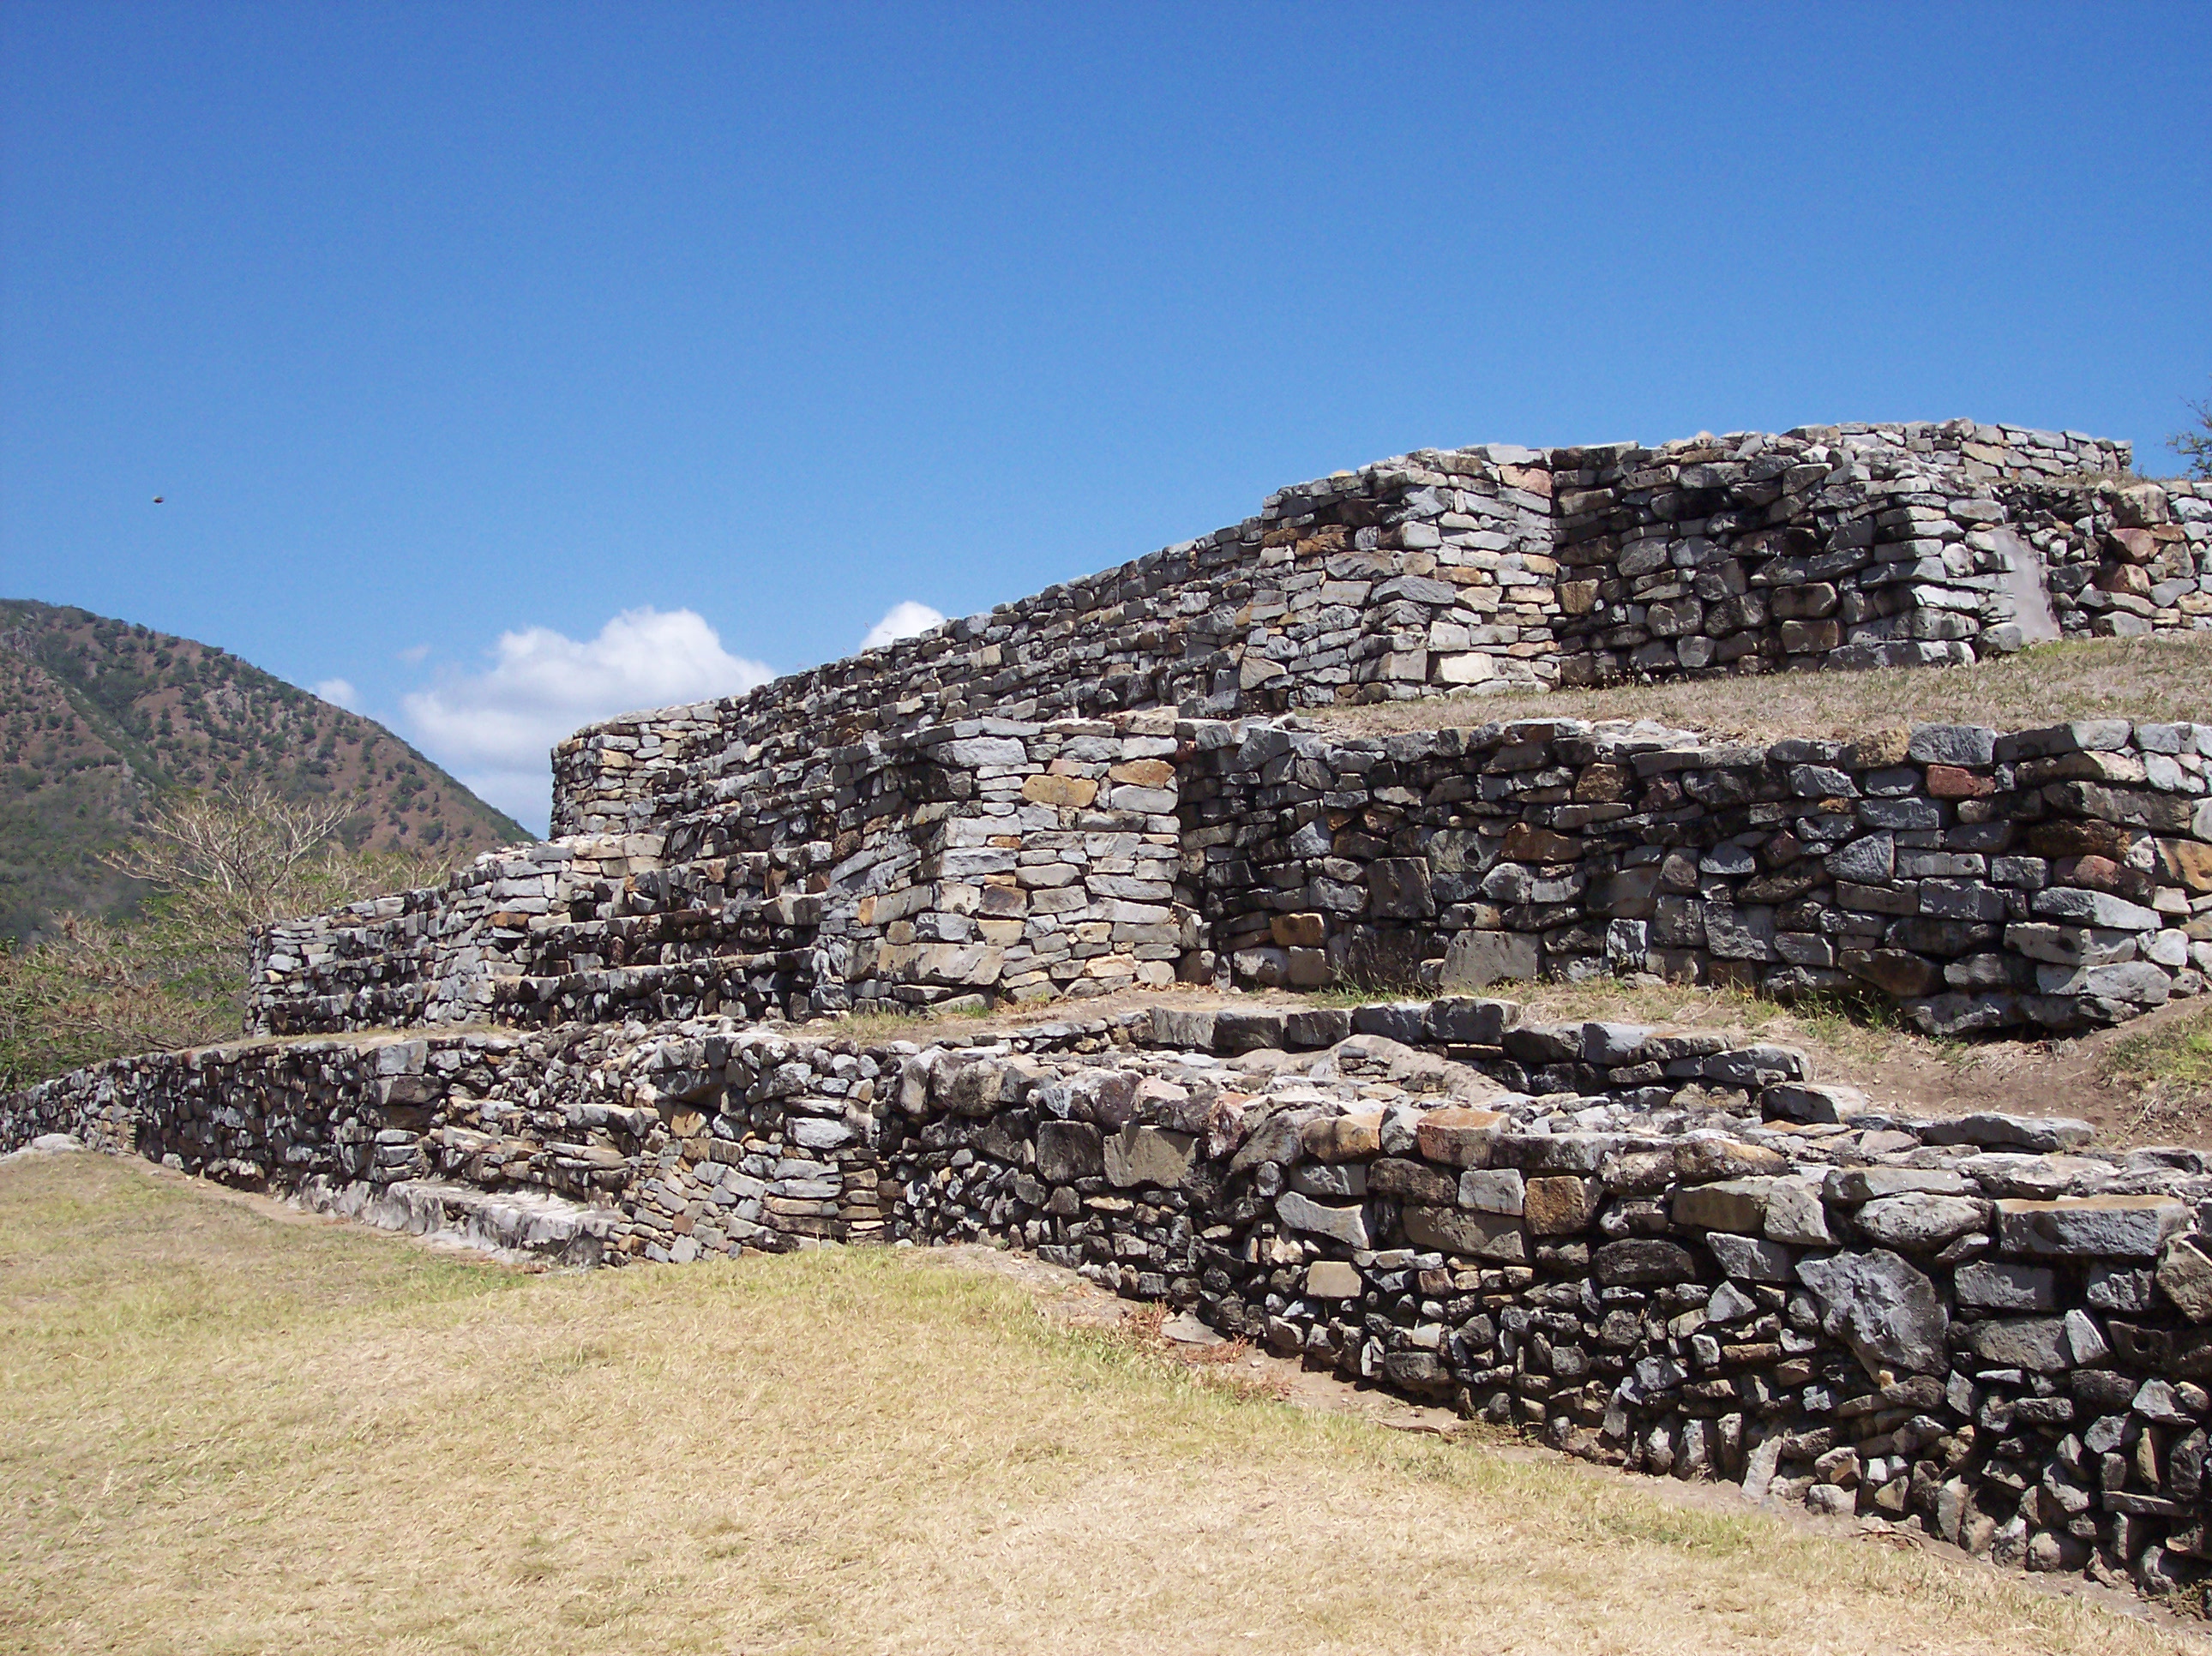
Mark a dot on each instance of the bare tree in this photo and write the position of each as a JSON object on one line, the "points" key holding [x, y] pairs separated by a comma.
{"points": [[221, 864], [2195, 446], [241, 854]]}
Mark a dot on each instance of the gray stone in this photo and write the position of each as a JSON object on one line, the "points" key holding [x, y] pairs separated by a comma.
{"points": [[1995, 1130], [1474, 1235], [1459, 1021], [1802, 1101], [2185, 1277], [2095, 908], [1997, 1285], [1336, 1182], [1475, 959], [1966, 745], [2085, 1342], [1608, 1045], [2035, 1344], [1643, 1259], [2157, 1401], [1492, 1190], [1730, 1304], [1885, 1310], [1869, 1184], [1918, 1222], [2113, 1226], [2119, 1287], [1069, 1150], [1868, 860], [1347, 1225], [1795, 1215], [1752, 1258]]}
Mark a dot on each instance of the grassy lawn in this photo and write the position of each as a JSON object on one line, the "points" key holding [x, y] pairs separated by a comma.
{"points": [[2154, 678], [221, 1432]]}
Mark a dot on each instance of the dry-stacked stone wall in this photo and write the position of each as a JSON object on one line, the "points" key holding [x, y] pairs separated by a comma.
{"points": [[2056, 879], [2120, 558], [981, 859], [1497, 567], [1667, 1250]]}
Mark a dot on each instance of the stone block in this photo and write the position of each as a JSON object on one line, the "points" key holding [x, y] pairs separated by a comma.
{"points": [[1069, 1150], [1996, 1130], [2000, 1285], [1560, 1205], [1855, 1185], [1492, 1236], [2037, 1344], [1749, 1258], [1411, 1181], [1147, 1156], [1333, 1279], [1464, 1022], [1492, 1189], [1731, 1205], [1639, 1261], [1802, 1101], [2109, 1227], [1475, 959], [1917, 1221], [1183, 1029], [1247, 1030], [1344, 1224], [1074, 791], [1969, 745], [2185, 1277], [1458, 1135], [1398, 888], [1887, 1312]]}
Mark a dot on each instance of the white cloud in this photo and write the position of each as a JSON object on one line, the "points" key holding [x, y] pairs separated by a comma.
{"points": [[903, 619], [338, 691], [494, 728], [414, 654]]}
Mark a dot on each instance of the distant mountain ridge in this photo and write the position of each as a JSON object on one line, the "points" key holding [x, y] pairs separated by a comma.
{"points": [[99, 718]]}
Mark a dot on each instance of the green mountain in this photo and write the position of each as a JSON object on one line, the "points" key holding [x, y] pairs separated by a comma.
{"points": [[100, 718]]}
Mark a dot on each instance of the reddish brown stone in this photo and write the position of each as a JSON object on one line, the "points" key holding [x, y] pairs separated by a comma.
{"points": [[1950, 782], [1525, 843]]}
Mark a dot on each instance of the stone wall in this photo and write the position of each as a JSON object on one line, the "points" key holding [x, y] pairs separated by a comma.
{"points": [[1663, 1251], [1470, 569], [2120, 558], [983, 857], [2048, 879]]}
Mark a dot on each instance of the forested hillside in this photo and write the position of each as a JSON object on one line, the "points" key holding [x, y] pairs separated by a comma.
{"points": [[99, 718]]}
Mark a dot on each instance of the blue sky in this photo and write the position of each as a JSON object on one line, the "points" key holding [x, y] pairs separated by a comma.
{"points": [[505, 365]]}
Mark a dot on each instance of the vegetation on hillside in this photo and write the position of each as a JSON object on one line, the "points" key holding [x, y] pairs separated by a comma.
{"points": [[214, 866], [101, 720]]}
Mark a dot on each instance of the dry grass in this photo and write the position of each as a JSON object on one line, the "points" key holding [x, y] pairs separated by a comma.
{"points": [[219, 1433], [2151, 678], [2168, 1072]]}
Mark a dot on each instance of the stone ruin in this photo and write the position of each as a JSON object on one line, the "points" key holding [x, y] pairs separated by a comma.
{"points": [[1107, 786], [1662, 1250]]}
